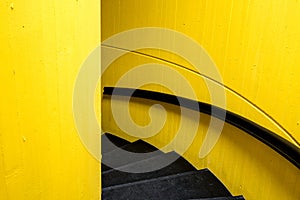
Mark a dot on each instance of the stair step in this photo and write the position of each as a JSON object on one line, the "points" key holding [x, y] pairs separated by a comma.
{"points": [[222, 198], [139, 147], [188, 185], [105, 168], [116, 177], [119, 142]]}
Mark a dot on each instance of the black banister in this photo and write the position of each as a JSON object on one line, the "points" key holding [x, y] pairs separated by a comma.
{"points": [[277, 143]]}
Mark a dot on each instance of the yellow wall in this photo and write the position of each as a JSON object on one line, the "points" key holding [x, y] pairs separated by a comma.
{"points": [[255, 47], [43, 44]]}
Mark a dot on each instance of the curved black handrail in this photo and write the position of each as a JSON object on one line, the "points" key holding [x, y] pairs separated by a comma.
{"points": [[277, 143], [211, 79]]}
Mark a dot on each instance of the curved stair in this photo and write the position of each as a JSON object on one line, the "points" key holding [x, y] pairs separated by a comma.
{"points": [[177, 181]]}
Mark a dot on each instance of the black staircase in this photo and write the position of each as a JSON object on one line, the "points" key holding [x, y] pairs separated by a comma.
{"points": [[177, 181]]}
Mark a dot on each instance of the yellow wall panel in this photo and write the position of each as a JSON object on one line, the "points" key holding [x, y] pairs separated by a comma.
{"points": [[43, 44], [254, 45], [126, 62]]}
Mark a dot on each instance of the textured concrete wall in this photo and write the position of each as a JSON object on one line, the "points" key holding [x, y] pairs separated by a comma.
{"points": [[43, 44]]}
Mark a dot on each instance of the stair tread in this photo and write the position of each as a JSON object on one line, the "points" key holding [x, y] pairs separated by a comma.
{"points": [[105, 168], [119, 142], [188, 185], [116, 177], [139, 147], [222, 198]]}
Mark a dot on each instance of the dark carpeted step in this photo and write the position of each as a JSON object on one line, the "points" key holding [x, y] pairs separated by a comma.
{"points": [[139, 146], [140, 150], [222, 198], [117, 141], [116, 177], [104, 168], [188, 185]]}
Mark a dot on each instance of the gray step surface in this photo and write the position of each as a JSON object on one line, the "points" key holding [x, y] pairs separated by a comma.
{"points": [[222, 198], [179, 180], [140, 150], [116, 177], [119, 142], [188, 185]]}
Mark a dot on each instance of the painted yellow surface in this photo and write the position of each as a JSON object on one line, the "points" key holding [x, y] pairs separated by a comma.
{"points": [[43, 44], [255, 46], [125, 63]]}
